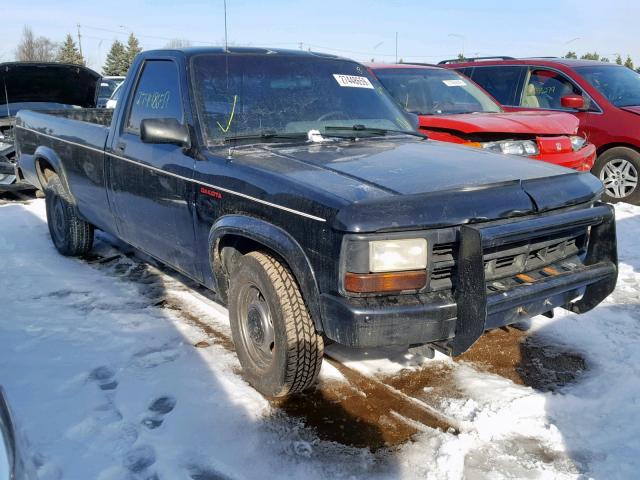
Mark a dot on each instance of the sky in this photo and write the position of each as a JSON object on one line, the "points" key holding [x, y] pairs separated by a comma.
{"points": [[426, 31]]}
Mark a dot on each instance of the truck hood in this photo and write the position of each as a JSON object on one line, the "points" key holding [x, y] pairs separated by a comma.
{"points": [[47, 83], [533, 123], [403, 183]]}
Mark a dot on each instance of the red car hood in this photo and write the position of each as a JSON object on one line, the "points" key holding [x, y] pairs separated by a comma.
{"points": [[538, 123]]}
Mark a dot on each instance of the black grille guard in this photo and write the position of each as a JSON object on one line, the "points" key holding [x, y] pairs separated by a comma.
{"points": [[598, 274]]}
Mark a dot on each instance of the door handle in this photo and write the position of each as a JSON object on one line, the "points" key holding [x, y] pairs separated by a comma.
{"points": [[120, 147]]}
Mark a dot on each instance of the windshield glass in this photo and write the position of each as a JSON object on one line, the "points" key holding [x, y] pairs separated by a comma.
{"points": [[244, 95], [619, 84], [116, 93], [107, 87], [431, 91]]}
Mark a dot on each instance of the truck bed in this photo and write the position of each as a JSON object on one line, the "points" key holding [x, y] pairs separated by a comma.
{"points": [[80, 135], [99, 116]]}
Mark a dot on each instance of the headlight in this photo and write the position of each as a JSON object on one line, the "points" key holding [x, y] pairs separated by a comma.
{"points": [[397, 255], [577, 142], [513, 147]]}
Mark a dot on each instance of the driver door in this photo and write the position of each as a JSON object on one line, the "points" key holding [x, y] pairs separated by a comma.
{"points": [[151, 183]]}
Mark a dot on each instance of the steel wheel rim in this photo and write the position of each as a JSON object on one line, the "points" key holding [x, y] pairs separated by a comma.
{"points": [[58, 219], [620, 178], [256, 326]]}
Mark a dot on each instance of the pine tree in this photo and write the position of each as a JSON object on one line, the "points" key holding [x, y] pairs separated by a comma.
{"points": [[69, 53], [591, 56], [571, 55], [117, 60], [628, 62], [133, 48], [619, 60]]}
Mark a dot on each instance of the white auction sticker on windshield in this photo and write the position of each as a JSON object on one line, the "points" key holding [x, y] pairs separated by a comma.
{"points": [[454, 83], [352, 81]]}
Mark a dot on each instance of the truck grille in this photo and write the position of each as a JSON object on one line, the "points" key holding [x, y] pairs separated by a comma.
{"points": [[507, 260]]}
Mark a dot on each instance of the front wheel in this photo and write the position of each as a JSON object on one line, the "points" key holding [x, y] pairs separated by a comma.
{"points": [[71, 235], [274, 335], [618, 169]]}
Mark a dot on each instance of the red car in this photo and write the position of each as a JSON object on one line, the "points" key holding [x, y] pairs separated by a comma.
{"points": [[604, 97], [452, 108]]}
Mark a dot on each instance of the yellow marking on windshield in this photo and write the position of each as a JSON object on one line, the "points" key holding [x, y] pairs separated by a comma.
{"points": [[233, 111]]}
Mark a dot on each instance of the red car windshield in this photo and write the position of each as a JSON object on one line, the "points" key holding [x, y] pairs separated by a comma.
{"points": [[619, 84], [430, 91]]}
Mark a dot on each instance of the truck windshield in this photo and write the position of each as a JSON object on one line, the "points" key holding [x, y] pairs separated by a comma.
{"points": [[271, 96], [431, 91], [619, 84]]}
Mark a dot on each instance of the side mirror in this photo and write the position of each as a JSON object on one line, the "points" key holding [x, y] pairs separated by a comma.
{"points": [[164, 130], [575, 102]]}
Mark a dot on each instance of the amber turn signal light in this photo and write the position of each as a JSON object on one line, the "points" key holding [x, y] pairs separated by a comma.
{"points": [[385, 282]]}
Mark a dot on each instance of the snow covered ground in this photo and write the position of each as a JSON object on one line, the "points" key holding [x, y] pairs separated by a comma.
{"points": [[116, 370]]}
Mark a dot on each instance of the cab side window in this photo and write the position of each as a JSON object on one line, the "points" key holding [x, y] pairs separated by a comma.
{"points": [[157, 94], [545, 88], [502, 82]]}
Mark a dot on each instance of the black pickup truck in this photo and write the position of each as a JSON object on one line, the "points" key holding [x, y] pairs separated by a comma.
{"points": [[290, 184]]}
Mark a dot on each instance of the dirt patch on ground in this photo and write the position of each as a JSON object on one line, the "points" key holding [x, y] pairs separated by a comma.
{"points": [[434, 379], [337, 412], [363, 413], [525, 359]]}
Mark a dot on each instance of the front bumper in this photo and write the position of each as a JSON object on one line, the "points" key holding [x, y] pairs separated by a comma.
{"points": [[582, 160], [458, 319]]}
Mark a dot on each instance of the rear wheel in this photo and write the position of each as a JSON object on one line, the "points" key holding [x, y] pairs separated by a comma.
{"points": [[618, 168], [71, 235], [274, 335]]}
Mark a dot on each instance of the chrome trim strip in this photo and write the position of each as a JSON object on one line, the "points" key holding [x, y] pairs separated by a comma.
{"points": [[159, 170]]}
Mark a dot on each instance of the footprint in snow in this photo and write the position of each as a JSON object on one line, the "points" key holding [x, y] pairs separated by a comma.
{"points": [[152, 357], [158, 409], [140, 459], [104, 377], [206, 473]]}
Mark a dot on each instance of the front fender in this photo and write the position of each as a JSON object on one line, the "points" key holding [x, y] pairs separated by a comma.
{"points": [[277, 240]]}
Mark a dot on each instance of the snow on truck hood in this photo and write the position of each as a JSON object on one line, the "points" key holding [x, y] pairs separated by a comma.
{"points": [[47, 83], [402, 183], [534, 123]]}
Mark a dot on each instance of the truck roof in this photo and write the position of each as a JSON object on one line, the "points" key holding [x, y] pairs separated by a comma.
{"points": [[381, 66], [192, 51]]}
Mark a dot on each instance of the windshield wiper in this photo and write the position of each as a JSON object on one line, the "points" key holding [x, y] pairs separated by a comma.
{"points": [[371, 130], [266, 135]]}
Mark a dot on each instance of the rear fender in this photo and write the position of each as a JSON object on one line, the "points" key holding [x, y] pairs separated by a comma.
{"points": [[47, 155]]}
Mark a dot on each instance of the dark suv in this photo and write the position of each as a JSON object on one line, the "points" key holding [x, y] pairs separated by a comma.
{"points": [[605, 97]]}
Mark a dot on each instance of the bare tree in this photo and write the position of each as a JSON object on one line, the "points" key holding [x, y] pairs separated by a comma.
{"points": [[32, 49], [178, 43]]}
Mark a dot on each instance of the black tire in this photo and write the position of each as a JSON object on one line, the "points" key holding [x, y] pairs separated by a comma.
{"points": [[292, 362], [72, 236], [614, 157]]}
